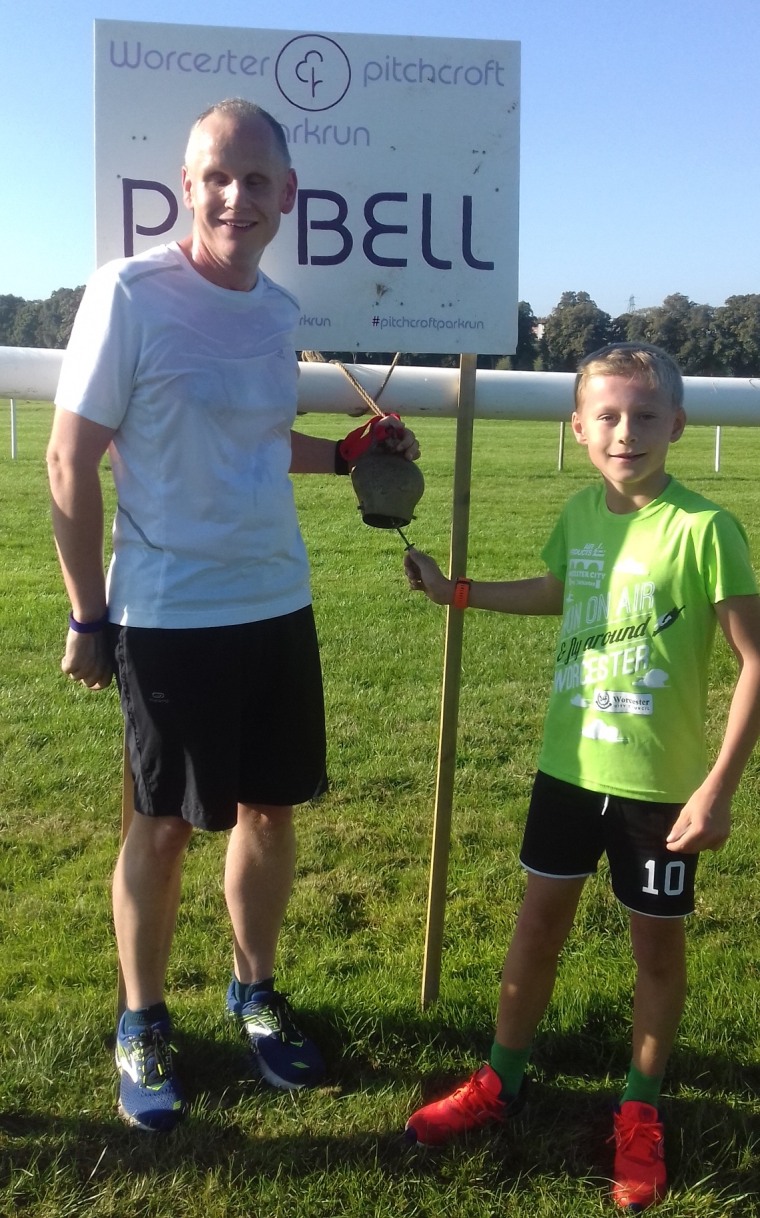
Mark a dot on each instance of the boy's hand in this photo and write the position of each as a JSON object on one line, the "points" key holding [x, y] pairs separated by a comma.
{"points": [[704, 823], [424, 575]]}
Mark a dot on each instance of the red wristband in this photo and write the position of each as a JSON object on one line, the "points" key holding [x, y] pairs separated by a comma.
{"points": [[462, 593]]}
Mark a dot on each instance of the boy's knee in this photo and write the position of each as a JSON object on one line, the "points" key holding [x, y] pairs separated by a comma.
{"points": [[547, 913], [659, 945], [540, 934]]}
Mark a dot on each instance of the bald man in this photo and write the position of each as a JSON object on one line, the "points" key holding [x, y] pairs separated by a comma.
{"points": [[181, 365]]}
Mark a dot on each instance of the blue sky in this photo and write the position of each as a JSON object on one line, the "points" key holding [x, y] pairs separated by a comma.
{"points": [[640, 172]]}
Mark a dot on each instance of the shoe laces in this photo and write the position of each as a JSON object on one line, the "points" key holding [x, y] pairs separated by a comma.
{"points": [[154, 1053], [473, 1094], [275, 1013], [628, 1132]]}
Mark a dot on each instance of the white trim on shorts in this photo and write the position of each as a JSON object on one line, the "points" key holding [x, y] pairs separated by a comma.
{"points": [[654, 917], [549, 875]]}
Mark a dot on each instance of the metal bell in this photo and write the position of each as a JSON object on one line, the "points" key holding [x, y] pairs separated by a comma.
{"points": [[388, 488]]}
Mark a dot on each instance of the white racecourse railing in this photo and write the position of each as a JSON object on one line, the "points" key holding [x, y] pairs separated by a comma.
{"points": [[31, 374]]}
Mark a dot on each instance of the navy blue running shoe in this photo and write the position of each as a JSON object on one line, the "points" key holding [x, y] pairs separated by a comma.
{"points": [[150, 1096], [282, 1054]]}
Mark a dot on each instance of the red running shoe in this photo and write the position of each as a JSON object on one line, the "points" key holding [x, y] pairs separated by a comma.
{"points": [[474, 1104], [639, 1176]]}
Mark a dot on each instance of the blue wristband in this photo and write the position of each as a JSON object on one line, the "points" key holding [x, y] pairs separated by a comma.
{"points": [[87, 627]]}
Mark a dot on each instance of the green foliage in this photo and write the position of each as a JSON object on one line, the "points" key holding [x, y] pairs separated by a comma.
{"points": [[682, 328], [524, 358], [39, 323], [705, 341], [737, 335], [351, 950], [574, 328]]}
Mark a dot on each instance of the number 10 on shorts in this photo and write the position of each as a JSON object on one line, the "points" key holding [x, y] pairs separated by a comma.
{"points": [[671, 880]]}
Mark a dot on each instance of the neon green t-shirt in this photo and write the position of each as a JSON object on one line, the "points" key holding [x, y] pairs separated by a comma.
{"points": [[627, 709]]}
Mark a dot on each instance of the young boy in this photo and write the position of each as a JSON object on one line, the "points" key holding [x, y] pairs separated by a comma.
{"points": [[640, 568]]}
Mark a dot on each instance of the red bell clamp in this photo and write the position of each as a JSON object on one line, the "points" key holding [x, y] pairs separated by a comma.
{"points": [[375, 431]]}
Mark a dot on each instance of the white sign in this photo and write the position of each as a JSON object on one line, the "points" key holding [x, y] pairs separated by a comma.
{"points": [[404, 235]]}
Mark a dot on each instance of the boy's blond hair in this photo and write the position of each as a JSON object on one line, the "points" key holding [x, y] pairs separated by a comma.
{"points": [[647, 363]]}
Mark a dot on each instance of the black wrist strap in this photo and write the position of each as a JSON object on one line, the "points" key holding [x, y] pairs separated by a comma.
{"points": [[341, 464]]}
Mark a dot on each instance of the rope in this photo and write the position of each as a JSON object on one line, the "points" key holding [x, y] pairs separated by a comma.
{"points": [[316, 357]]}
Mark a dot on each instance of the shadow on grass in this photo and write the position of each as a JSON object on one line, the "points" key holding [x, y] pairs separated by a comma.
{"points": [[240, 1127], [561, 1134], [600, 1050]]}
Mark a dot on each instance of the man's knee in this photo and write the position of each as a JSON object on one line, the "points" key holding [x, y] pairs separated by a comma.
{"points": [[265, 818], [164, 837]]}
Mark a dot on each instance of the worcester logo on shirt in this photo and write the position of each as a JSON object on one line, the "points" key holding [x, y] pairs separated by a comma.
{"points": [[585, 568]]}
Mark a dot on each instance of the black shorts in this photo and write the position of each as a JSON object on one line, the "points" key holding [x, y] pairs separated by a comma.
{"points": [[569, 829], [222, 715]]}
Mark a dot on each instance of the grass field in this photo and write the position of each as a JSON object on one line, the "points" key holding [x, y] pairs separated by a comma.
{"points": [[351, 950]]}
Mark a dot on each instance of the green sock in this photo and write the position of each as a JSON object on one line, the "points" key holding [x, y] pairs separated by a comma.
{"points": [[644, 1088], [510, 1065]]}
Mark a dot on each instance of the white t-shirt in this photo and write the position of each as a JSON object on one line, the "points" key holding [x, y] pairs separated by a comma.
{"points": [[200, 384]]}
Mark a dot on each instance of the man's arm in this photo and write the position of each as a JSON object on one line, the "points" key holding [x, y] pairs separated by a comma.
{"points": [[311, 454], [705, 821], [74, 453], [541, 596]]}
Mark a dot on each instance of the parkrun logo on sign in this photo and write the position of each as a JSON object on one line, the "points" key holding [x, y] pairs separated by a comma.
{"points": [[313, 72]]}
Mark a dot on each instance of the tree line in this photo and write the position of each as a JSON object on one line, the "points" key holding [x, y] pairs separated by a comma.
{"points": [[39, 323], [705, 340]]}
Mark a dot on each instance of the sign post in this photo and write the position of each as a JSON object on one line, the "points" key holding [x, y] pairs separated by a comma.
{"points": [[452, 671]]}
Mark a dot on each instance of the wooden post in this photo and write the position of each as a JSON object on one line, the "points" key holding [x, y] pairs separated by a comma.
{"points": [[127, 813], [452, 665]]}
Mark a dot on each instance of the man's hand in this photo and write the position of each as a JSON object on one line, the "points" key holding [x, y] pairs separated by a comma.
{"points": [[386, 434], [87, 659], [397, 438]]}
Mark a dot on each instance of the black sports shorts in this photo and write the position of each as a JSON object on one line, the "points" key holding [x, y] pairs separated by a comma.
{"points": [[569, 829], [222, 715]]}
